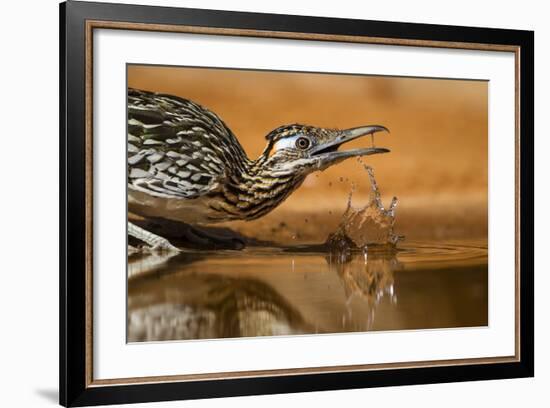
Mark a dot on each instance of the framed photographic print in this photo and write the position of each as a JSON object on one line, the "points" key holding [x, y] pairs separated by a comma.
{"points": [[256, 203]]}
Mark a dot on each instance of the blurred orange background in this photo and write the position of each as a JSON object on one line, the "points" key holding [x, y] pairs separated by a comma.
{"points": [[438, 141]]}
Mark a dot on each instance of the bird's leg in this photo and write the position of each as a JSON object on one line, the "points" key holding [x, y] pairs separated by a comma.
{"points": [[156, 243]]}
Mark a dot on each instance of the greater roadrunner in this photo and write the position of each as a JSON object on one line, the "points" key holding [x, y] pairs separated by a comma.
{"points": [[185, 164]]}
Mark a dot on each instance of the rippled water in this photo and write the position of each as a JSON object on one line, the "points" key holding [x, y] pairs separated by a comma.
{"points": [[300, 290]]}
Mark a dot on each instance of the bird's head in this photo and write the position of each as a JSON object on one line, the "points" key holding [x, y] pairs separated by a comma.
{"points": [[300, 149]]}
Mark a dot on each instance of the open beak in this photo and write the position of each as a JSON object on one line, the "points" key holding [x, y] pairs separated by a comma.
{"points": [[328, 153]]}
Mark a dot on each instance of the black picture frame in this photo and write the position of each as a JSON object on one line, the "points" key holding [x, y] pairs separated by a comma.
{"points": [[75, 389]]}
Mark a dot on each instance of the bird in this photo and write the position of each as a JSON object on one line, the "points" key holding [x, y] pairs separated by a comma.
{"points": [[185, 164]]}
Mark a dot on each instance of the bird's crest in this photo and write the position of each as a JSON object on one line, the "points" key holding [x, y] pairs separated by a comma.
{"points": [[287, 131]]}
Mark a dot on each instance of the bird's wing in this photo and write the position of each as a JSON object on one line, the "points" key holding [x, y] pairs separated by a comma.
{"points": [[176, 148]]}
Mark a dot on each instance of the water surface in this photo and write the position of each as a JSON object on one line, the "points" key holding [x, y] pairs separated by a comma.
{"points": [[304, 290]]}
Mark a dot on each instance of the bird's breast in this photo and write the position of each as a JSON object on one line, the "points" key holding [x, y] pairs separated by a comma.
{"points": [[225, 203], [199, 210]]}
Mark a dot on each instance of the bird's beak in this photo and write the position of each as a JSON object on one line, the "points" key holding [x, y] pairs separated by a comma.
{"points": [[327, 152]]}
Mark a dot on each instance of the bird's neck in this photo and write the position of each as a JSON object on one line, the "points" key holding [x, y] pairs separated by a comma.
{"points": [[254, 190]]}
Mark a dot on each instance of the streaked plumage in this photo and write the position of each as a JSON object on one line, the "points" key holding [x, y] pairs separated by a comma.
{"points": [[184, 163]]}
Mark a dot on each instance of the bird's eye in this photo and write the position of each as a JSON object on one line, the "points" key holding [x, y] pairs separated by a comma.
{"points": [[302, 143]]}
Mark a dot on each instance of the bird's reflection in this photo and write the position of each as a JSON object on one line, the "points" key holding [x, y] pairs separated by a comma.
{"points": [[142, 264], [170, 297], [209, 306]]}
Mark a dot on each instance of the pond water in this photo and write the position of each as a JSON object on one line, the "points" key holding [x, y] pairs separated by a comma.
{"points": [[305, 289]]}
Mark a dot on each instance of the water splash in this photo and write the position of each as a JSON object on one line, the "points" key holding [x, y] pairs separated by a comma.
{"points": [[368, 226]]}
